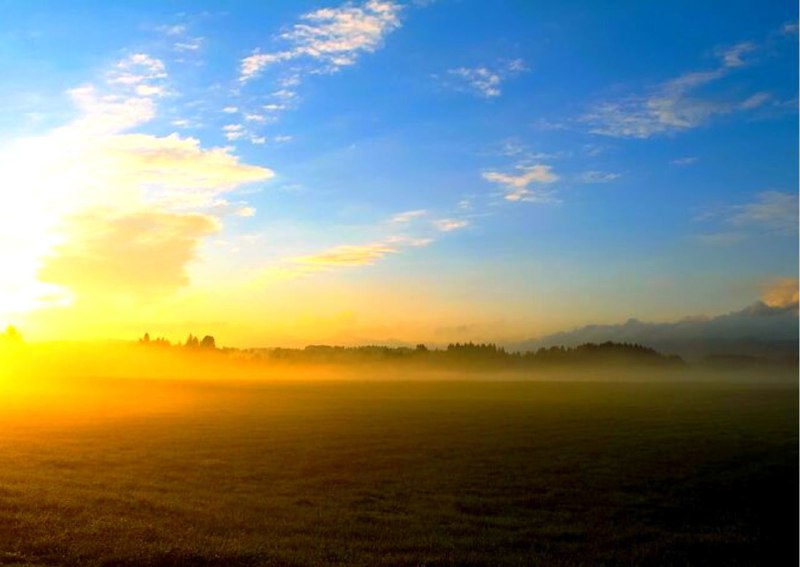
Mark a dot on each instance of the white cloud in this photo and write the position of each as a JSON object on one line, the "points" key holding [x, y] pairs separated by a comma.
{"points": [[403, 234], [789, 28], [734, 55], [273, 107], [245, 212], [412, 241], [230, 110], [138, 70], [103, 113], [772, 211], [754, 101], [127, 98], [597, 177], [517, 186], [465, 204], [674, 105], [408, 216], [191, 44], [178, 29], [260, 118], [149, 90], [687, 160], [330, 37], [346, 255], [483, 81], [233, 132], [449, 225], [478, 79], [284, 94]]}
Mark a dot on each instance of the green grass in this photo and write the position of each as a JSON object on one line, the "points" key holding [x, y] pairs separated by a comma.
{"points": [[458, 473]]}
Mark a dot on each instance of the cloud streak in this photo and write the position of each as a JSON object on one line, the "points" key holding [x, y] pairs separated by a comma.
{"points": [[592, 177], [675, 105], [409, 229], [330, 38], [450, 225], [517, 186], [347, 255], [771, 213]]}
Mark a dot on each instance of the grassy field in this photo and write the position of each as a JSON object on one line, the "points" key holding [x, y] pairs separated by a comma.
{"points": [[457, 473]]}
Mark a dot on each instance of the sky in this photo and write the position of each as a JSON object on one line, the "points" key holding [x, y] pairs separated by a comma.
{"points": [[286, 173]]}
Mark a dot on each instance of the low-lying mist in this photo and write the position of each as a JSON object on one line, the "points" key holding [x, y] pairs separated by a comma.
{"points": [[84, 380]]}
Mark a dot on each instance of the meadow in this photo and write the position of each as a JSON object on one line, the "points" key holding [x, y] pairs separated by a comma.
{"points": [[157, 473]]}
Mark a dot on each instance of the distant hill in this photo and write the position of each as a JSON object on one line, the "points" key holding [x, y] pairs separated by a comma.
{"points": [[758, 330]]}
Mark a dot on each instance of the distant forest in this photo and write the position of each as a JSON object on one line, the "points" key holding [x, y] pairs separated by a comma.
{"points": [[462, 356], [455, 354]]}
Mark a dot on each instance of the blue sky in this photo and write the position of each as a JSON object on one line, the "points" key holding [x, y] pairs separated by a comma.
{"points": [[440, 169]]}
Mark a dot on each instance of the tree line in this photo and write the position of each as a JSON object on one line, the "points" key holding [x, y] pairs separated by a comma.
{"points": [[473, 354]]}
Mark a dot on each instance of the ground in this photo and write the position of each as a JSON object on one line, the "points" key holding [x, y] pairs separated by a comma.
{"points": [[455, 473]]}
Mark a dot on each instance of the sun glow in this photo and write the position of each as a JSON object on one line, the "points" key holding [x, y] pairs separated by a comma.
{"points": [[28, 227], [93, 197]]}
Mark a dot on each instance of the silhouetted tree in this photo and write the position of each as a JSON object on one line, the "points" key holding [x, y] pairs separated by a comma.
{"points": [[11, 336], [208, 342]]}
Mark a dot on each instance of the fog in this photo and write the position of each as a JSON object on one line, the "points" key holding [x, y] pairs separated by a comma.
{"points": [[80, 382]]}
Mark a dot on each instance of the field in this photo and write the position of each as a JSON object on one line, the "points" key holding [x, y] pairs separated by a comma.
{"points": [[402, 473]]}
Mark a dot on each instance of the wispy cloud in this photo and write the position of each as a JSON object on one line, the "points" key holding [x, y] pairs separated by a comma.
{"points": [[408, 216], [725, 238], [343, 257], [172, 30], [330, 38], [403, 231], [483, 81], [190, 44], [449, 225], [772, 211], [734, 56], [597, 177], [674, 105], [245, 212], [347, 255], [686, 160], [517, 185], [789, 28], [182, 41]]}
